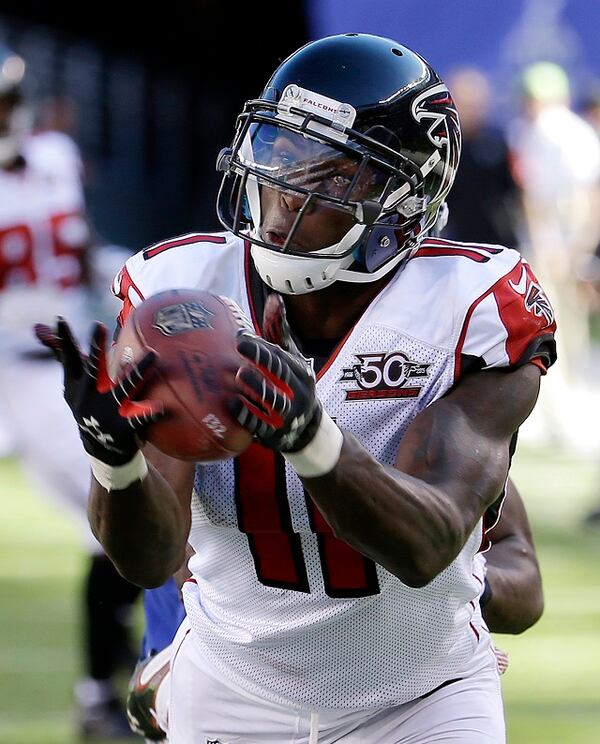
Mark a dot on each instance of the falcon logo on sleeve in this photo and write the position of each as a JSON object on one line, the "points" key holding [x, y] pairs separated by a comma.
{"points": [[538, 304]]}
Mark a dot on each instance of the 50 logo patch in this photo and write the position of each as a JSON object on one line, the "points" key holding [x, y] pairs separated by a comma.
{"points": [[382, 376]]}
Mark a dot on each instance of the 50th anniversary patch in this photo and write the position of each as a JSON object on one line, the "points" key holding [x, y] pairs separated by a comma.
{"points": [[382, 376]]}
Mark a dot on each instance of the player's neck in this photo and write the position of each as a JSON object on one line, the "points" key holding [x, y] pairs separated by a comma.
{"points": [[330, 313]]}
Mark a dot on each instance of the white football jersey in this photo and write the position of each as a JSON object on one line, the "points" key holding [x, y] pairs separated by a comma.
{"points": [[279, 605], [42, 234]]}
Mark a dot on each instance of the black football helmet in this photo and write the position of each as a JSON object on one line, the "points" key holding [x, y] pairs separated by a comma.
{"points": [[355, 124]]}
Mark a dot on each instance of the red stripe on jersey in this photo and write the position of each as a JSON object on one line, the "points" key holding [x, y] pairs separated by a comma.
{"points": [[188, 240], [522, 325], [334, 354], [540, 364], [346, 572], [125, 284], [474, 629], [494, 250], [264, 515], [247, 259], [432, 251], [463, 335]]}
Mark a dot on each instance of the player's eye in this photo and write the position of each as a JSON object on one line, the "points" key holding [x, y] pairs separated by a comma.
{"points": [[283, 157], [341, 180]]}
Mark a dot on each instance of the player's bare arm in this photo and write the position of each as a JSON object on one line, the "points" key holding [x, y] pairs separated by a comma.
{"points": [[144, 527], [452, 464], [515, 599]]}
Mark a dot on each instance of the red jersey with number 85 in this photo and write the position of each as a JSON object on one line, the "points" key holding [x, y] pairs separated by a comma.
{"points": [[279, 605]]}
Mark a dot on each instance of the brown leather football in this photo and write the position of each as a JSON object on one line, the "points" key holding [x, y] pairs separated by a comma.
{"points": [[194, 335]]}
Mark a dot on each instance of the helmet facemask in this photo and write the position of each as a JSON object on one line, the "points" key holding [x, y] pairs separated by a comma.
{"points": [[365, 191]]}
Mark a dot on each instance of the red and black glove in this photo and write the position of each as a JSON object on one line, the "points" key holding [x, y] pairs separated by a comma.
{"points": [[111, 420], [277, 400]]}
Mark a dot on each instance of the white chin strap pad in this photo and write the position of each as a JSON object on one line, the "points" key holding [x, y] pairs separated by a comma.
{"points": [[296, 274], [303, 274]]}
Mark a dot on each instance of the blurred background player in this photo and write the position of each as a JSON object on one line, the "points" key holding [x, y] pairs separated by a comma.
{"points": [[556, 157], [44, 271], [483, 201]]}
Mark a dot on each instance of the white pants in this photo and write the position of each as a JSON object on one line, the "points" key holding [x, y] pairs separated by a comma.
{"points": [[204, 709]]}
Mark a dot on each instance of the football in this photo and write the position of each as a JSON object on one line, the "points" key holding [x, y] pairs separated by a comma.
{"points": [[194, 335]]}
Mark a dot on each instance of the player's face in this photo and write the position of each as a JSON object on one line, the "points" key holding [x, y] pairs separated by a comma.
{"points": [[320, 227], [307, 165]]}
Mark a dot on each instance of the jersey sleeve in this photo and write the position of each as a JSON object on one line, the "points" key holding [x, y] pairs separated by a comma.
{"points": [[126, 290], [56, 156], [510, 324], [191, 261]]}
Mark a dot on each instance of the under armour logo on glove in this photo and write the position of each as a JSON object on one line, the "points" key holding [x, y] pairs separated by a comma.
{"points": [[110, 418], [91, 426], [277, 401]]}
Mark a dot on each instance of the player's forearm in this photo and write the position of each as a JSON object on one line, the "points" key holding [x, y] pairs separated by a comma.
{"points": [[517, 600], [142, 528], [403, 523]]}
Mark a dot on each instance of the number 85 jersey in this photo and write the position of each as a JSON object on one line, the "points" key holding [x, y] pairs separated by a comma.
{"points": [[277, 604], [43, 236]]}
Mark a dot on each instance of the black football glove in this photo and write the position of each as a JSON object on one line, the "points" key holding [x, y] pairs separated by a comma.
{"points": [[277, 400], [110, 420]]}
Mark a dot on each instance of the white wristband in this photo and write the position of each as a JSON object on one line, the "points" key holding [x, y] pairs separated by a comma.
{"points": [[321, 454], [119, 477]]}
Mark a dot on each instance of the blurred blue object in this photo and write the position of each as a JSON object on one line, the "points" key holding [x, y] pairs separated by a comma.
{"points": [[164, 612], [500, 38]]}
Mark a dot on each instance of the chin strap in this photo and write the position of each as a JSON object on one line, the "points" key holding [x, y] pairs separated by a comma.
{"points": [[363, 277]]}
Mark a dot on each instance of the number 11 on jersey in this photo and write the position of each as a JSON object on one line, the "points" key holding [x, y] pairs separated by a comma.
{"points": [[264, 515]]}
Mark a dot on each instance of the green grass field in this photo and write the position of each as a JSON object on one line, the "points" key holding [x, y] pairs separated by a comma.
{"points": [[552, 688]]}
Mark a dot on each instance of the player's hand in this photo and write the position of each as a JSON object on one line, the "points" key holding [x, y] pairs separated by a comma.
{"points": [[277, 401], [110, 419]]}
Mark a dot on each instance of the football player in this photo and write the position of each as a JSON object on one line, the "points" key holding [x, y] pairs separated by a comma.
{"points": [[334, 581], [44, 237], [511, 601]]}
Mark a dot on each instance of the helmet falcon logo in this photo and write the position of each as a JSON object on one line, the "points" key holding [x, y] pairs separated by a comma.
{"points": [[436, 104]]}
